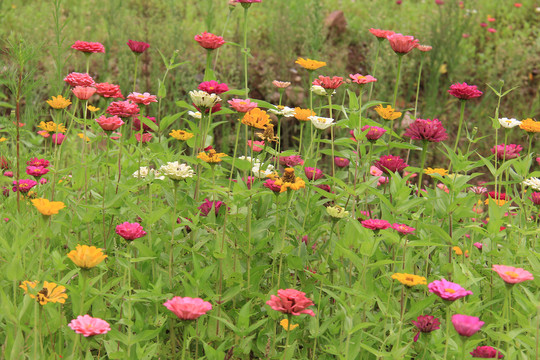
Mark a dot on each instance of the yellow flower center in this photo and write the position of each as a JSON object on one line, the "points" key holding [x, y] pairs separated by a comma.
{"points": [[451, 291], [512, 274]]}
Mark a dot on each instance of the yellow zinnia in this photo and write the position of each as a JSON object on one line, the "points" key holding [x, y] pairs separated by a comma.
{"points": [[256, 118], [303, 114], [92, 108], [51, 126], [59, 102], [387, 113], [181, 135], [530, 125], [86, 257], [212, 157], [2, 139], [409, 279], [286, 326], [46, 207], [309, 64], [51, 292], [440, 171], [290, 181]]}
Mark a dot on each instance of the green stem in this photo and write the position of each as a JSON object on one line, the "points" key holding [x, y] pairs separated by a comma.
{"points": [[135, 74], [173, 222], [290, 195], [447, 335], [208, 65], [238, 126], [418, 84], [246, 8], [288, 335], [422, 164], [462, 112], [332, 137], [398, 77]]}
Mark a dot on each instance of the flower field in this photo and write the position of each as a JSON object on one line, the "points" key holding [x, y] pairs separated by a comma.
{"points": [[389, 212]]}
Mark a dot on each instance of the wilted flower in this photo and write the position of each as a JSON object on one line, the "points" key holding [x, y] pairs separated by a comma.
{"points": [[89, 326], [291, 301], [86, 257], [425, 324], [447, 290], [209, 41], [512, 275], [466, 325], [464, 91], [309, 64], [176, 171], [50, 293], [188, 308], [130, 231]]}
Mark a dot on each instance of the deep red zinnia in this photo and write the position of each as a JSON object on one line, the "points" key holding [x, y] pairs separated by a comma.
{"points": [[390, 163], [138, 47], [426, 129]]}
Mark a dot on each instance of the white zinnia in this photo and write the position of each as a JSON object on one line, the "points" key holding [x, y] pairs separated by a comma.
{"points": [[319, 90], [321, 123], [533, 182], [337, 212], [202, 99], [260, 173], [196, 115], [145, 171], [509, 123], [283, 111], [176, 171]]}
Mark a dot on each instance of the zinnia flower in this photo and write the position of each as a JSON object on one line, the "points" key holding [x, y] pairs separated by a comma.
{"points": [[207, 206], [46, 207], [204, 100], [328, 82], [509, 123], [321, 123], [313, 173], [337, 212], [512, 275], [438, 171], [59, 102], [424, 48], [38, 162], [209, 41], [256, 145], [506, 152], [282, 111], [373, 132], [390, 163], [109, 90], [290, 181], [83, 92], [51, 126], [176, 171], [188, 308], [281, 84], [466, 325], [362, 79], [388, 112], [341, 162], [291, 301], [146, 128], [464, 91], [130, 231], [409, 279], [271, 184], [138, 47], [36, 171], [535, 198], [425, 324], [256, 118], [144, 98], [86, 257], [89, 326], [242, 105], [109, 124], [447, 290], [303, 114], [426, 129], [486, 352], [146, 137], [375, 224], [309, 64], [211, 157], [24, 185], [287, 326], [123, 108], [50, 293], [530, 126], [58, 139], [88, 47], [403, 229], [402, 44], [213, 87], [79, 79], [381, 34], [181, 135], [92, 108]]}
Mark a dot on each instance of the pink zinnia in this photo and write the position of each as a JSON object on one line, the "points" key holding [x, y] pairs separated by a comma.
{"points": [[146, 128], [402, 44], [79, 79], [38, 162], [188, 308], [88, 47], [373, 132], [24, 185], [375, 224], [256, 145], [486, 352], [535, 198], [375, 171], [328, 82], [425, 324], [209, 41], [213, 87], [381, 34], [291, 161], [146, 137], [390, 163], [89, 326], [402, 228], [241, 105], [291, 301], [207, 206], [109, 90], [36, 171], [58, 138], [109, 124], [341, 162], [123, 108], [8, 173], [478, 189], [512, 275], [426, 129], [424, 48], [362, 79], [447, 290], [138, 47], [466, 325], [492, 30], [83, 92], [478, 245], [506, 152], [130, 231], [144, 98], [271, 184], [313, 173], [464, 91]]}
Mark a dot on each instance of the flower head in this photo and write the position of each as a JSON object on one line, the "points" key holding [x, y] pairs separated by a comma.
{"points": [[303, 114], [337, 212], [137, 123], [290, 181], [138, 47], [509, 123], [86, 257], [46, 207], [181, 135], [313, 173], [271, 184], [464, 91], [291, 161], [257, 146], [242, 105], [58, 139], [486, 352], [207, 206], [341, 162], [402, 44], [187, 308], [373, 132], [50, 293], [309, 64], [362, 79], [36, 171], [144, 98], [381, 34], [375, 224], [59, 102], [209, 41], [256, 118], [24, 185], [204, 100], [425, 324], [533, 182], [109, 90], [130, 231], [89, 326], [211, 157], [424, 48], [530, 125], [83, 92], [320, 122], [109, 123], [38, 162], [268, 134], [291, 301], [426, 129], [466, 325], [88, 47], [388, 112], [79, 79], [403, 229], [390, 163], [328, 82], [512, 275], [123, 108], [478, 245], [447, 290], [176, 171], [213, 87], [281, 84], [506, 152], [409, 279]]}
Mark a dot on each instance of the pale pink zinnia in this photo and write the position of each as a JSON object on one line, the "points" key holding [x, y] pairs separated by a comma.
{"points": [[89, 326], [130, 231], [291, 301], [402, 44], [512, 275], [256, 145], [83, 92], [466, 325], [281, 84], [109, 124], [241, 105], [144, 98], [187, 308], [447, 290], [506, 152]]}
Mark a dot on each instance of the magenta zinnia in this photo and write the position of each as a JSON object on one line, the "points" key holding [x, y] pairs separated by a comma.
{"points": [[138, 47], [291, 301], [447, 290], [425, 324], [426, 129], [466, 325], [464, 91], [506, 152], [130, 231], [390, 163], [213, 87], [375, 224]]}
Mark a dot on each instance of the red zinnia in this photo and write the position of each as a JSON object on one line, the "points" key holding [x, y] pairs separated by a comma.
{"points": [[88, 47], [109, 90], [291, 301], [402, 44], [390, 163], [464, 91], [381, 34], [328, 82], [426, 129], [123, 108], [209, 41], [138, 47]]}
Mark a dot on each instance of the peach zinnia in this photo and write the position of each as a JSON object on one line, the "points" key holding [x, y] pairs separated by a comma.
{"points": [[291, 301], [512, 275]]}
